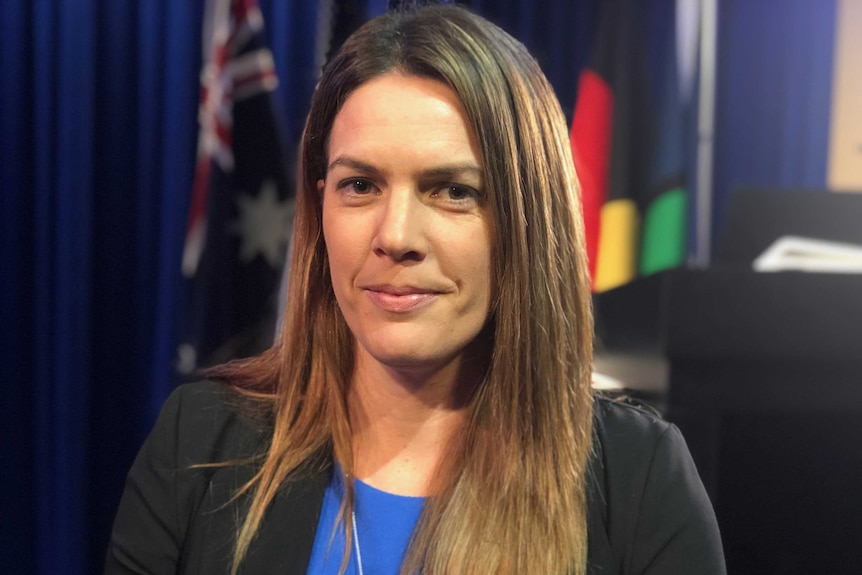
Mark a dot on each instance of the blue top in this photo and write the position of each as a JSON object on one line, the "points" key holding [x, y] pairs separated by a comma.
{"points": [[384, 524]]}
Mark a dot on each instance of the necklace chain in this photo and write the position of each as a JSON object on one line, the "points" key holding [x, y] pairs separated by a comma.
{"points": [[356, 542]]}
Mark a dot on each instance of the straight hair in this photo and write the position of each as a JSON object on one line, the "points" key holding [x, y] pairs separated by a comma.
{"points": [[513, 499]]}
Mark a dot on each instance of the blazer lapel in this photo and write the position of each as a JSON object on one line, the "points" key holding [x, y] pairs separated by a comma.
{"points": [[283, 544]]}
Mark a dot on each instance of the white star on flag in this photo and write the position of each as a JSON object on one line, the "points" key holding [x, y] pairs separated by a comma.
{"points": [[264, 225]]}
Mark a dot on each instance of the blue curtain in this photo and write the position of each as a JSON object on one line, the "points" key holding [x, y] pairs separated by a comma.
{"points": [[98, 131], [773, 97], [98, 138], [98, 143]]}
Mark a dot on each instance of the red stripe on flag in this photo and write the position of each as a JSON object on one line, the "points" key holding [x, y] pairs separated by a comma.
{"points": [[224, 133], [242, 8], [591, 148], [261, 78]]}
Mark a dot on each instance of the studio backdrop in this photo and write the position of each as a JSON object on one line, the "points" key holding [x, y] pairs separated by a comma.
{"points": [[99, 149]]}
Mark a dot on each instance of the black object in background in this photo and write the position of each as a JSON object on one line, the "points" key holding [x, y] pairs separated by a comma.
{"points": [[765, 382], [758, 217]]}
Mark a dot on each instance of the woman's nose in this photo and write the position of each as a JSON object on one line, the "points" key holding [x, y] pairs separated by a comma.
{"points": [[401, 227]]}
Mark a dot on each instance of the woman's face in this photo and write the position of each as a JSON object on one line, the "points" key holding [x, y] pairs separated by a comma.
{"points": [[405, 224]]}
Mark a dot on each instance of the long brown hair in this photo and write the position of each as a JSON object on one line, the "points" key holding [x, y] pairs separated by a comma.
{"points": [[514, 500]]}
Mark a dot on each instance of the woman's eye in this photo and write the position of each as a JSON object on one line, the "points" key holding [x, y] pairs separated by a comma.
{"points": [[459, 193], [360, 186], [356, 185]]}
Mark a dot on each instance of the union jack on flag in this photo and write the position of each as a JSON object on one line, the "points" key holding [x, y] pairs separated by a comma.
{"points": [[241, 210]]}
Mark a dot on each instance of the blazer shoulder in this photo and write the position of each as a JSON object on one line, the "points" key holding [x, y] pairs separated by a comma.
{"points": [[623, 420], [209, 422], [654, 511]]}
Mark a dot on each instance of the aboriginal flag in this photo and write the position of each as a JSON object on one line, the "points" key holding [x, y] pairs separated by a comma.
{"points": [[241, 213], [628, 134]]}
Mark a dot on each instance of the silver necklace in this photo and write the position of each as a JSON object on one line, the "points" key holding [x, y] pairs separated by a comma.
{"points": [[356, 542]]}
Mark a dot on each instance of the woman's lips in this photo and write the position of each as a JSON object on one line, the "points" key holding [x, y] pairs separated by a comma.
{"points": [[400, 300]]}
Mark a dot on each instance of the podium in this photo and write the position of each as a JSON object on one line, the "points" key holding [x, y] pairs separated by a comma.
{"points": [[765, 381]]}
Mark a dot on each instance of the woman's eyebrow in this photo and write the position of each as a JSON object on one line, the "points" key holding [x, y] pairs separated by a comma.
{"points": [[353, 163], [444, 171], [452, 171]]}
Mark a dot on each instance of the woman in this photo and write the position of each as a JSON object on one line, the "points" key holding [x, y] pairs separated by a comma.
{"points": [[427, 406]]}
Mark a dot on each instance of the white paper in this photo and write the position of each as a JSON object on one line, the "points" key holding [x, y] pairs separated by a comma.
{"points": [[794, 253]]}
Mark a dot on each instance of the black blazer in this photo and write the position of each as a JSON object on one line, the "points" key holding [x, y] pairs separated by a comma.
{"points": [[648, 512]]}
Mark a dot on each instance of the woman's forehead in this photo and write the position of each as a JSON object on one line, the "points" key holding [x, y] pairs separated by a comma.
{"points": [[422, 117]]}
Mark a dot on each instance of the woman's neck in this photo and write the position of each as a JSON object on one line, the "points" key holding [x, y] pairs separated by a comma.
{"points": [[403, 421]]}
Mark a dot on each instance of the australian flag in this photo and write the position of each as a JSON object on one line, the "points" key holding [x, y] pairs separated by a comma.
{"points": [[241, 213]]}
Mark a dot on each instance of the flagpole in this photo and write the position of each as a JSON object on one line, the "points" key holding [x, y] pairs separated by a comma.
{"points": [[706, 132]]}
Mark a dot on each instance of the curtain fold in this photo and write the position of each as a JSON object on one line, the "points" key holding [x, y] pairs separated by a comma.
{"points": [[64, 194]]}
